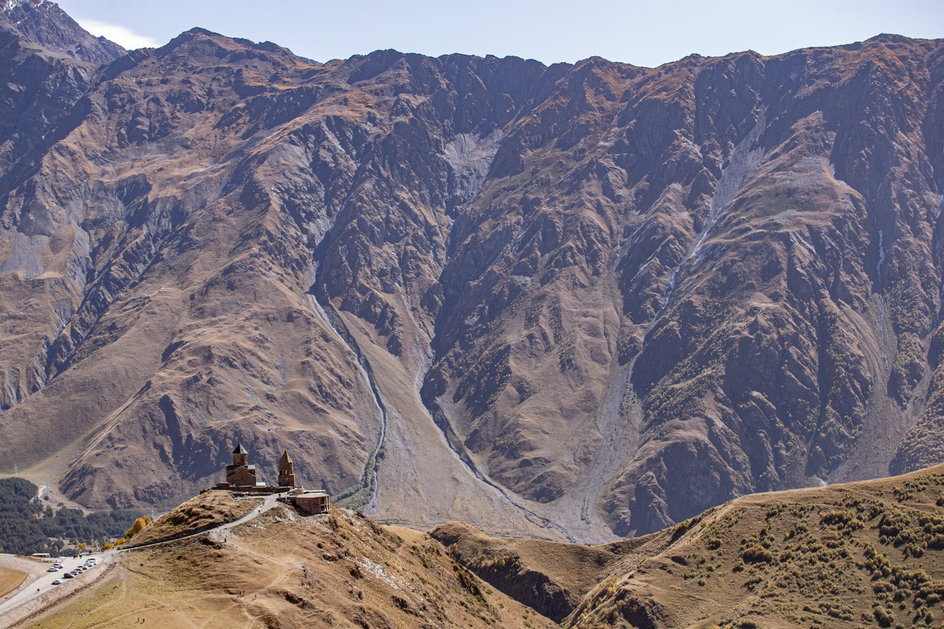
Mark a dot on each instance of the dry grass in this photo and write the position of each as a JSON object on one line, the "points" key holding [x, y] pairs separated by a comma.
{"points": [[10, 580], [548, 576], [282, 570], [202, 512], [861, 554], [132, 595]]}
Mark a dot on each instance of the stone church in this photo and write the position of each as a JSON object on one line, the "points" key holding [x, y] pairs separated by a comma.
{"points": [[240, 473], [241, 478], [243, 475]]}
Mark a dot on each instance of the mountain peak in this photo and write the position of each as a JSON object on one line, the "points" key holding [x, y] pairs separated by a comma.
{"points": [[889, 38], [44, 23], [9, 5]]}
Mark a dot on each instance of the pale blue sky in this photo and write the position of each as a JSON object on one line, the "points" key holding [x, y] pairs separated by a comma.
{"points": [[642, 33]]}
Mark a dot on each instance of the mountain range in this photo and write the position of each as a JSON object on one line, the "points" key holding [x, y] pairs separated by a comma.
{"points": [[576, 301]]}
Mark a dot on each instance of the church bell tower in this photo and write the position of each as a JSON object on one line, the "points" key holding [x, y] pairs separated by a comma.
{"points": [[286, 471]]}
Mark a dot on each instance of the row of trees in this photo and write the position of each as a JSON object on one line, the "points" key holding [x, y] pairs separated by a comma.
{"points": [[136, 528], [28, 526]]}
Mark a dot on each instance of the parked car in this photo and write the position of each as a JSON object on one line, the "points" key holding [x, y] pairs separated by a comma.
{"points": [[57, 582], [52, 569], [68, 575]]}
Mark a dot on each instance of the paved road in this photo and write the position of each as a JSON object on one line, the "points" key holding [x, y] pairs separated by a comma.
{"points": [[268, 502], [43, 584]]}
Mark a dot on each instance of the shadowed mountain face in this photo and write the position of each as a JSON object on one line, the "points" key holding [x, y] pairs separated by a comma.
{"points": [[577, 300]]}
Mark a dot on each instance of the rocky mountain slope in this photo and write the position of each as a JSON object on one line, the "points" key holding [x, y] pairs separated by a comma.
{"points": [[44, 23], [861, 554], [283, 570], [578, 301]]}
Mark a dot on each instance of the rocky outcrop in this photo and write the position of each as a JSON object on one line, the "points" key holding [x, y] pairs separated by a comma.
{"points": [[585, 300]]}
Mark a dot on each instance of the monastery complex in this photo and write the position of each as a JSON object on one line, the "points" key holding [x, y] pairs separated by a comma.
{"points": [[242, 479]]}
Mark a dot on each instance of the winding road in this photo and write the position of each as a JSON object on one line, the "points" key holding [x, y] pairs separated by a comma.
{"points": [[40, 589]]}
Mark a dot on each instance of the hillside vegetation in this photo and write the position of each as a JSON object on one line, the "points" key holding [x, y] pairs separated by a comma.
{"points": [[28, 525], [853, 555], [868, 554]]}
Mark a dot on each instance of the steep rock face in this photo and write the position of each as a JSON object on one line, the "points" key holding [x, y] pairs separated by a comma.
{"points": [[716, 236], [41, 101], [581, 300], [193, 346]]}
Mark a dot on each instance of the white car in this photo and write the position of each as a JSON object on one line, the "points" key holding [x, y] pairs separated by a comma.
{"points": [[52, 569], [57, 582]]}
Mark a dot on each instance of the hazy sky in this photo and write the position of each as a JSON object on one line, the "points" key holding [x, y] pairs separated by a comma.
{"points": [[642, 33]]}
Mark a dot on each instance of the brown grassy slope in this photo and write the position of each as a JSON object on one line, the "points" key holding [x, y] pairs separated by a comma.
{"points": [[200, 513], [859, 554], [853, 555], [551, 577], [282, 570], [10, 580]]}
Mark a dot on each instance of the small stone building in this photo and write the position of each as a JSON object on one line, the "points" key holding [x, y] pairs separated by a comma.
{"points": [[240, 473], [310, 502]]}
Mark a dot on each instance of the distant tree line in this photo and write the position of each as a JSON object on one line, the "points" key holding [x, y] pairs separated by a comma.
{"points": [[27, 526]]}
